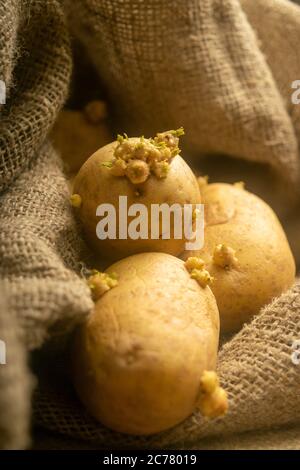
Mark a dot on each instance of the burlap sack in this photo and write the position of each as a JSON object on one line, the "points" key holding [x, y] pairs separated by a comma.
{"points": [[192, 63], [15, 382], [277, 25], [39, 245], [287, 438], [241, 114]]}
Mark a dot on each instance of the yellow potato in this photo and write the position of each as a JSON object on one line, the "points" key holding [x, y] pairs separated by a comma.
{"points": [[97, 183], [245, 251], [139, 359]]}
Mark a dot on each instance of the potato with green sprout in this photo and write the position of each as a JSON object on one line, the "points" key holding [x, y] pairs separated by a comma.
{"points": [[145, 358], [148, 172]]}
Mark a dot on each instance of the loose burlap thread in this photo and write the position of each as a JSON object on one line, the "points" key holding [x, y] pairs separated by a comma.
{"points": [[199, 66]]}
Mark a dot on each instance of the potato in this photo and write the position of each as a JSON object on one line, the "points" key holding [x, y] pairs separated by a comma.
{"points": [[75, 135], [139, 360], [161, 177], [245, 251]]}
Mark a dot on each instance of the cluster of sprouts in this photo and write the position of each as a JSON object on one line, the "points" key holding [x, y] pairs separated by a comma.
{"points": [[137, 160]]}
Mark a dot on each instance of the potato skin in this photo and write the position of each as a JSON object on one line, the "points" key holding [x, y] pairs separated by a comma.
{"points": [[266, 267], [138, 359], [96, 185]]}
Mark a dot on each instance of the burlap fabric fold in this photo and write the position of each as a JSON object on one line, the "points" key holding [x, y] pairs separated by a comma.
{"points": [[277, 25], [193, 63], [39, 245], [204, 70], [16, 382]]}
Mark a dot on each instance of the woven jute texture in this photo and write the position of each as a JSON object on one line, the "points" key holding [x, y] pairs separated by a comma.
{"points": [[277, 25], [273, 439], [15, 381], [199, 66], [39, 245]]}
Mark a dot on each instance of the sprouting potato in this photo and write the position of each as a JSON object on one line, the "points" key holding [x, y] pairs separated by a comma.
{"points": [[145, 358], [147, 171], [245, 251]]}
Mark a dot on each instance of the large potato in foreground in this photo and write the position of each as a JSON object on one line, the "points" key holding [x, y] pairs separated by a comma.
{"points": [[97, 184], [245, 250], [139, 358]]}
